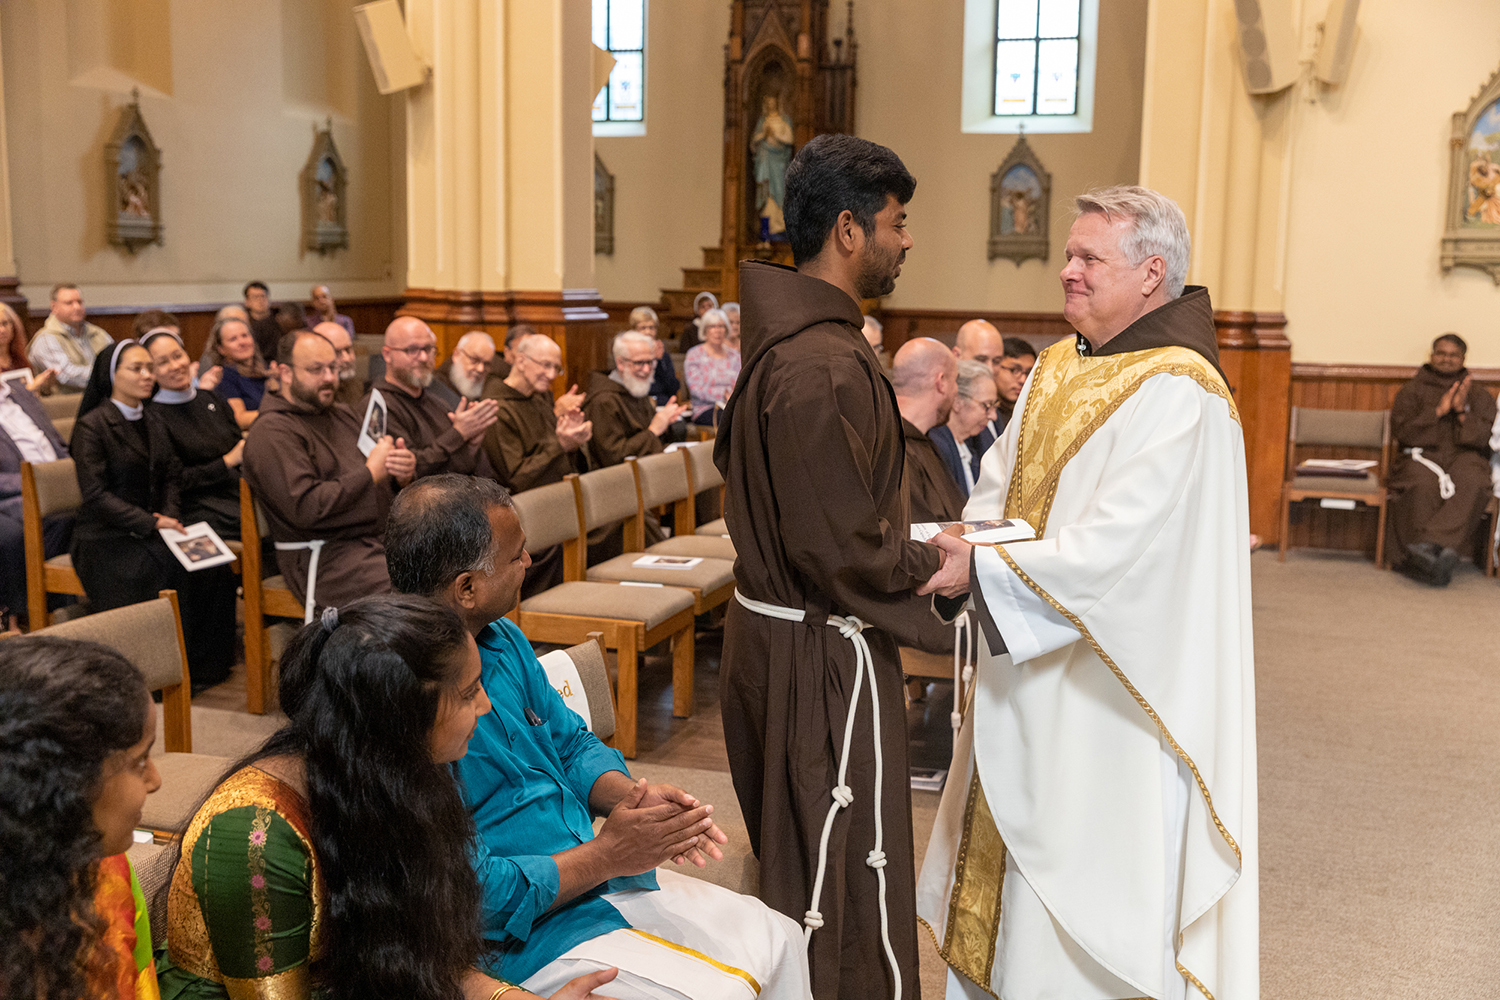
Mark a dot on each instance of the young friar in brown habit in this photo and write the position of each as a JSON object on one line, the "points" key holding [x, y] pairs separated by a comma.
{"points": [[828, 579], [1440, 480]]}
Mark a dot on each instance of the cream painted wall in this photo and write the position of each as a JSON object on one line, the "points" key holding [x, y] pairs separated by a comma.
{"points": [[909, 81], [235, 134], [1369, 182], [667, 183]]}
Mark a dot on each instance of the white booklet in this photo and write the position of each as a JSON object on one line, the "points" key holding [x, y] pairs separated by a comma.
{"points": [[978, 532], [21, 375], [373, 428], [198, 546], [666, 562]]}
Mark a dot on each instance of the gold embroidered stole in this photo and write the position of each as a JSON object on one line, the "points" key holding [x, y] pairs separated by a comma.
{"points": [[187, 931], [1071, 397]]}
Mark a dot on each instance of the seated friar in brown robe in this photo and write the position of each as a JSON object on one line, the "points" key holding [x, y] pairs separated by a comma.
{"points": [[1440, 480], [933, 493]]}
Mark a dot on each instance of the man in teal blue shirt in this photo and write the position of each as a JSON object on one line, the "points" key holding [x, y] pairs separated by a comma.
{"points": [[559, 900]]}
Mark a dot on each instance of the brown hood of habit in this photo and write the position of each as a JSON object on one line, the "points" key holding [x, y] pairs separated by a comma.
{"points": [[780, 302], [1186, 321], [1430, 376]]}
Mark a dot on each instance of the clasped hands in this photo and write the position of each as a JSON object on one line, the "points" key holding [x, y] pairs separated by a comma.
{"points": [[472, 419], [392, 458], [1456, 398], [655, 823], [952, 578]]}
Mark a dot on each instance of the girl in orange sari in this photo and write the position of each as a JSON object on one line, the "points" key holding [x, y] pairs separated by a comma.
{"points": [[76, 729]]}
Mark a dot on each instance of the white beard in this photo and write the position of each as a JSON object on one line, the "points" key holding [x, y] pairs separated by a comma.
{"points": [[467, 387], [637, 387]]}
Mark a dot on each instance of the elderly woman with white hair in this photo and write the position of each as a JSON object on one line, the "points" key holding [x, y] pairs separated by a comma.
{"points": [[711, 368], [732, 310], [664, 381], [974, 407]]}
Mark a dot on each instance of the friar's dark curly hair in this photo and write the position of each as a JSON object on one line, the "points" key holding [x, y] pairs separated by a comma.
{"points": [[65, 706], [389, 826]]}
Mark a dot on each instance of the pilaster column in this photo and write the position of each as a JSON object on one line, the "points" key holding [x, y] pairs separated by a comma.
{"points": [[1225, 157], [499, 174], [9, 282]]}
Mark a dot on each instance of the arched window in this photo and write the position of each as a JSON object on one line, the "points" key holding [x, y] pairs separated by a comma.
{"points": [[619, 27], [1029, 64]]}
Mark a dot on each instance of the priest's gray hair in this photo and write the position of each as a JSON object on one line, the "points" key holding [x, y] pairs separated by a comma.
{"points": [[1158, 228], [624, 340], [971, 374]]}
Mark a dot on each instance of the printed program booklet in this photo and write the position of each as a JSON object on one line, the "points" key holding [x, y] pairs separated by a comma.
{"points": [[666, 562], [1343, 468], [197, 546], [978, 532], [373, 428]]}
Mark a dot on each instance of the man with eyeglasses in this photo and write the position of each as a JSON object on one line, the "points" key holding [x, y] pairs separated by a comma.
{"points": [[626, 419], [325, 503], [1440, 482], [470, 370], [530, 445], [351, 390], [444, 438]]}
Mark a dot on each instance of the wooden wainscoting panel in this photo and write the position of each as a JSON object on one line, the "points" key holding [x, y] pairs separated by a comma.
{"points": [[1350, 387]]}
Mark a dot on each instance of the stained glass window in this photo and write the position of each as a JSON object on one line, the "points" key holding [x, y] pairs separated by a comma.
{"points": [[1036, 57], [620, 27]]}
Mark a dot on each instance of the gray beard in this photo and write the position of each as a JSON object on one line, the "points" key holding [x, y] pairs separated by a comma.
{"points": [[414, 378], [467, 387]]}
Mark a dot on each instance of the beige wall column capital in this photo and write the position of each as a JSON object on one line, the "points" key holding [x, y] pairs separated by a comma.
{"points": [[8, 279]]}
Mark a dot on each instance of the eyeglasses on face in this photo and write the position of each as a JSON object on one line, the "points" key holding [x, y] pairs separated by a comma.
{"points": [[550, 367], [417, 350], [317, 371], [642, 365], [993, 406]]}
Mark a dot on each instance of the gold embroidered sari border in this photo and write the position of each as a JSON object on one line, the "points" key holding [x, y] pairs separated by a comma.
{"points": [[1140, 699]]}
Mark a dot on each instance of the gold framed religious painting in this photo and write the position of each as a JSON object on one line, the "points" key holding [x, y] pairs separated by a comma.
{"points": [[132, 164], [325, 189], [1472, 232], [1020, 206]]}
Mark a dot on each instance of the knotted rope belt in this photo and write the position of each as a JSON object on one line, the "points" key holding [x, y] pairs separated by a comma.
{"points": [[316, 545], [850, 628], [1446, 489]]}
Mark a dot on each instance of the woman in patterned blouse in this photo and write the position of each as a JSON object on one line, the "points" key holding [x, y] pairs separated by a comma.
{"points": [[711, 368], [334, 861]]}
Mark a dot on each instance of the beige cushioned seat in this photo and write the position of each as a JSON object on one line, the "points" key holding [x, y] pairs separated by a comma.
{"points": [[1337, 484], [716, 527], [706, 577], [694, 545], [652, 605], [186, 780]]}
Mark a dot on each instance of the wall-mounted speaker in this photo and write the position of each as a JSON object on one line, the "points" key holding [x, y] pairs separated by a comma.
{"points": [[1336, 47], [1268, 45], [392, 58]]}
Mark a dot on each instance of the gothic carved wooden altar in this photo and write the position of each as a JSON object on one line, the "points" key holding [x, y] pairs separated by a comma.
{"points": [[781, 50]]}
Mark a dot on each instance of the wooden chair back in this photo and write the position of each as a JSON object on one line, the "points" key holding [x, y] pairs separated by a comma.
{"points": [[662, 481], [149, 635], [593, 670], [703, 474], [60, 405], [609, 496], [549, 516], [47, 488], [1344, 430], [64, 427], [262, 597]]}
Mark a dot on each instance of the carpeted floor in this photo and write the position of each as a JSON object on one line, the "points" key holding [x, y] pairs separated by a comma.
{"points": [[1379, 741]]}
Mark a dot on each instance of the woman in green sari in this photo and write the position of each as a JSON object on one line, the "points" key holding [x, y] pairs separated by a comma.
{"points": [[334, 861]]}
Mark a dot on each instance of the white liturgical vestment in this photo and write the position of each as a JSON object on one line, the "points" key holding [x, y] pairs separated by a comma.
{"points": [[1097, 835]]}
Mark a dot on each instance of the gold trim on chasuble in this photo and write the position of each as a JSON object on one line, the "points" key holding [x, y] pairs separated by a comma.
{"points": [[1071, 397], [187, 932]]}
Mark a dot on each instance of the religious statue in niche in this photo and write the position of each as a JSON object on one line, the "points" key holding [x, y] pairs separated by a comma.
{"points": [[1020, 196], [133, 165], [324, 186], [604, 208], [771, 147], [1472, 237]]}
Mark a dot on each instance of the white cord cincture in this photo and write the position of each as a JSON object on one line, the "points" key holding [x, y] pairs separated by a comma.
{"points": [[1446, 489], [850, 628]]}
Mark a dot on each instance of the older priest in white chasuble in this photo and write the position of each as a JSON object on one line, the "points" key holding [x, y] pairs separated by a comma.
{"points": [[1097, 838]]}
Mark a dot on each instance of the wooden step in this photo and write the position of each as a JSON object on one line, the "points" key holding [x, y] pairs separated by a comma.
{"points": [[678, 301], [713, 256], [701, 279]]}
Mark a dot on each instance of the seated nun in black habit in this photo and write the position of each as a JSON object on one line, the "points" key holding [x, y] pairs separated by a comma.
{"points": [[204, 435], [129, 476]]}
